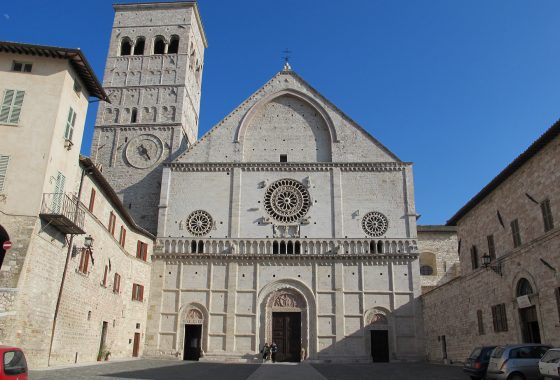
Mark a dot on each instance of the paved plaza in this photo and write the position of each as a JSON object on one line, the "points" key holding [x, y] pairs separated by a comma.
{"points": [[169, 370]]}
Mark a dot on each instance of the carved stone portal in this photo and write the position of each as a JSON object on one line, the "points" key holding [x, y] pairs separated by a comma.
{"points": [[194, 316]]}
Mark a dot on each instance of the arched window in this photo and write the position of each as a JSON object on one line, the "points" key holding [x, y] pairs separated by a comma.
{"points": [[126, 46], [275, 248], [134, 115], [159, 45], [428, 264], [282, 247], [297, 248], [173, 45], [193, 246], [290, 248], [524, 288], [139, 46], [200, 246], [379, 246]]}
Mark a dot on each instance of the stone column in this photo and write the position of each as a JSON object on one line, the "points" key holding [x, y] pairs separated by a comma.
{"points": [[231, 306]]}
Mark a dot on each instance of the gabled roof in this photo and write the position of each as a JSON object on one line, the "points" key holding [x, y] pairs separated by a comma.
{"points": [[100, 180], [531, 151], [288, 71], [77, 60]]}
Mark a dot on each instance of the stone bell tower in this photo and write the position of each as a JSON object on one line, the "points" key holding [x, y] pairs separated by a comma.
{"points": [[153, 77]]}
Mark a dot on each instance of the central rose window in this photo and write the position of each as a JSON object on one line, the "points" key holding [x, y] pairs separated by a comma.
{"points": [[287, 200]]}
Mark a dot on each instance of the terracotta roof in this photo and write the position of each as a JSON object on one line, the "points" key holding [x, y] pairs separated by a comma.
{"points": [[535, 147], [77, 60], [100, 180]]}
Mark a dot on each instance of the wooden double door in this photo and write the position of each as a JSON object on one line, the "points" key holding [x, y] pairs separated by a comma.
{"points": [[286, 333]]}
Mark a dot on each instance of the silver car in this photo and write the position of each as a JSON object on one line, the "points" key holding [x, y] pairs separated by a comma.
{"points": [[549, 365], [516, 362]]}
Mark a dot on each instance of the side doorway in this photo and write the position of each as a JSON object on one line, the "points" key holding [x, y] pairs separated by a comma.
{"points": [[380, 346], [193, 338], [136, 347]]}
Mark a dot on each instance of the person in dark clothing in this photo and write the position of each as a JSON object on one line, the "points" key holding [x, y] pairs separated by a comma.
{"points": [[265, 352], [273, 351]]}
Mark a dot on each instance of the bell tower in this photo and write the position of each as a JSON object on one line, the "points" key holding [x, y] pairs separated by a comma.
{"points": [[153, 78]]}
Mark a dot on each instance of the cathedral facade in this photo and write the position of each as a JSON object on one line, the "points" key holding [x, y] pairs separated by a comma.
{"points": [[287, 222]]}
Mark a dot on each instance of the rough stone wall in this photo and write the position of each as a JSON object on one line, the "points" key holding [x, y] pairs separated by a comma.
{"points": [[164, 89], [438, 248], [450, 310], [78, 334]]}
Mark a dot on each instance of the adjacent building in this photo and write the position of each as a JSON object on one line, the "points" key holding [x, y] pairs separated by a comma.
{"points": [[57, 290], [509, 244]]}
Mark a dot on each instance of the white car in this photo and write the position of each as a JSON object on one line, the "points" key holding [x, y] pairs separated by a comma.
{"points": [[549, 365]]}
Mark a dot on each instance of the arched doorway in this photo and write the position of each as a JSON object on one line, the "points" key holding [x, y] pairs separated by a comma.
{"points": [[377, 322], [3, 237], [194, 327], [530, 330], [285, 307]]}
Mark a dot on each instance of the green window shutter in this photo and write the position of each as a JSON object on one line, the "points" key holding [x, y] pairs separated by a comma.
{"points": [[6, 105], [16, 107], [3, 169], [70, 122]]}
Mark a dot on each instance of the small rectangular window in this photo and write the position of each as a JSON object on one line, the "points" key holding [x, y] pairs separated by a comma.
{"points": [[557, 291], [480, 322], [499, 318], [70, 122], [137, 292], [515, 233], [491, 247], [283, 158], [117, 283], [10, 110], [122, 236], [3, 169], [91, 200], [22, 67], [141, 250], [84, 261], [547, 215], [474, 257], [104, 282], [112, 222]]}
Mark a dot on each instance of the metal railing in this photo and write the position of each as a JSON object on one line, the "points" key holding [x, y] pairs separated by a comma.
{"points": [[65, 208]]}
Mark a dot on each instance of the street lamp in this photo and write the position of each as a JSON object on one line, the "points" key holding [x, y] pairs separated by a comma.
{"points": [[88, 242], [486, 263]]}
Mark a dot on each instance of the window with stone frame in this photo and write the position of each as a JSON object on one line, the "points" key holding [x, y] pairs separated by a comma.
{"points": [[499, 318], [117, 283], [139, 46], [547, 215], [122, 236], [480, 322], [3, 169], [91, 200], [22, 67], [474, 257], [515, 234], [126, 46], [84, 261], [112, 223], [491, 247], [137, 292]]}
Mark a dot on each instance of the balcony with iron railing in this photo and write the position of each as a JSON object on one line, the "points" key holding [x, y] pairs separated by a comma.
{"points": [[63, 212], [292, 246]]}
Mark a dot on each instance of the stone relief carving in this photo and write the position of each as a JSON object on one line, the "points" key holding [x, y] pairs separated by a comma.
{"points": [[378, 319], [194, 314], [285, 300]]}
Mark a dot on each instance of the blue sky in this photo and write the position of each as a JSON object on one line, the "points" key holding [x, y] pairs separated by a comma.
{"points": [[458, 87]]}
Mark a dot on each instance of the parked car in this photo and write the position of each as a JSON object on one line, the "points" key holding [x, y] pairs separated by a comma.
{"points": [[516, 362], [477, 362], [549, 365], [13, 363]]}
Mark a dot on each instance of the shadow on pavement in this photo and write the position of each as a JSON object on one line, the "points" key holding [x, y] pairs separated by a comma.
{"points": [[204, 371]]}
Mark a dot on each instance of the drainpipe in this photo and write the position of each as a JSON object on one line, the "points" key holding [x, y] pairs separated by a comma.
{"points": [[85, 171]]}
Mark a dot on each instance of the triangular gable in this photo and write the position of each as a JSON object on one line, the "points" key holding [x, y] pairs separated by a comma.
{"points": [[351, 142]]}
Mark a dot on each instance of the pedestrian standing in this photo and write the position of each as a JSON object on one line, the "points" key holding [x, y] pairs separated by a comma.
{"points": [[273, 351], [265, 352]]}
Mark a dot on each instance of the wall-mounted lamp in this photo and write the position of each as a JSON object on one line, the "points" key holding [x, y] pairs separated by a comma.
{"points": [[88, 242], [486, 263]]}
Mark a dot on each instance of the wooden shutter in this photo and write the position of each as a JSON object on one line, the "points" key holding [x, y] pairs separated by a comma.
{"points": [[141, 292], [495, 319], [70, 122], [144, 251], [6, 105], [91, 200], [16, 107], [105, 275], [139, 249], [557, 291], [58, 192], [503, 316], [3, 169]]}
